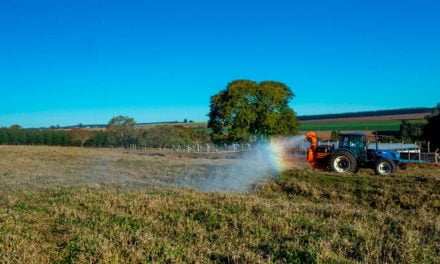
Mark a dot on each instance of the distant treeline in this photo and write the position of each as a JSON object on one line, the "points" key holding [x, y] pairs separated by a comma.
{"points": [[18, 136], [403, 111], [50, 137], [159, 136]]}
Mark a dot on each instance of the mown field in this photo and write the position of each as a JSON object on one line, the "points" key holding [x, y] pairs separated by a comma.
{"points": [[74, 205]]}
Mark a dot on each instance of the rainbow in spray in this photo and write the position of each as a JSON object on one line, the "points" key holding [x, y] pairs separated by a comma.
{"points": [[278, 150]]}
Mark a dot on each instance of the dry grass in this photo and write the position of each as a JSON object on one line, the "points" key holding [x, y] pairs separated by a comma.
{"points": [[23, 167], [94, 205]]}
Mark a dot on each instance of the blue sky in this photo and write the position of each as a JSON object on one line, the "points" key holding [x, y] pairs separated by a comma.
{"points": [[66, 62]]}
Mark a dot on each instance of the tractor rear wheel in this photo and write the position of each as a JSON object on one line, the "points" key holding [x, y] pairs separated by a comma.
{"points": [[342, 162], [385, 167]]}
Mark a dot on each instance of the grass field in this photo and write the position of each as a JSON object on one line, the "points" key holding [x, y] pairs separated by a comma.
{"points": [[73, 205], [379, 125]]}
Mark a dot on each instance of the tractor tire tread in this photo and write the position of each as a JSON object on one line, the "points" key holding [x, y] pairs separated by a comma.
{"points": [[392, 163], [353, 163]]}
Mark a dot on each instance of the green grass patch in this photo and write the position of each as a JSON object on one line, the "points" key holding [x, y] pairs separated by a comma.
{"points": [[379, 125]]}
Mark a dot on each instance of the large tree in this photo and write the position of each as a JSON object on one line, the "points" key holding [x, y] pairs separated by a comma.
{"points": [[431, 131], [121, 131], [247, 111]]}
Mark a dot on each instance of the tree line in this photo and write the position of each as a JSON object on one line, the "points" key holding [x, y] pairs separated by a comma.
{"points": [[18, 136], [120, 132], [429, 132]]}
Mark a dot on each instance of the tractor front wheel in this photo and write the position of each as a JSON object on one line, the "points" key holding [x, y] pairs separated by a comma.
{"points": [[385, 167], [342, 162]]}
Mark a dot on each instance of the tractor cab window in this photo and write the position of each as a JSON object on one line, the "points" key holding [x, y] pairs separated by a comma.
{"points": [[358, 141], [351, 142], [344, 142]]}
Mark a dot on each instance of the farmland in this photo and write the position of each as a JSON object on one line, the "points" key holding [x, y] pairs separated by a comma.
{"points": [[325, 125], [85, 205], [380, 125], [328, 125]]}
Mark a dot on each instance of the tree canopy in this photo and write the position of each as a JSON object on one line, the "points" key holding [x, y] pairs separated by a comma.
{"points": [[121, 130], [247, 111], [410, 132], [431, 131]]}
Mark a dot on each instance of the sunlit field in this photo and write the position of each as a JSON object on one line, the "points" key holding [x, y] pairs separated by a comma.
{"points": [[82, 205]]}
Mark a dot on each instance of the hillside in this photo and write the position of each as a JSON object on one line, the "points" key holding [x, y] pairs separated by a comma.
{"points": [[361, 125], [394, 114]]}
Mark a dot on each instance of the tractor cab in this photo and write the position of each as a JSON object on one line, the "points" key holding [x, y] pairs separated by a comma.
{"points": [[356, 143]]}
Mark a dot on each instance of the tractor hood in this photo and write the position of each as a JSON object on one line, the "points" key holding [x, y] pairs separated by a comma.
{"points": [[387, 154]]}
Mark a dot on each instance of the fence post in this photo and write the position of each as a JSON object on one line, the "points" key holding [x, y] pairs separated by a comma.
{"points": [[436, 156], [418, 150], [429, 147]]}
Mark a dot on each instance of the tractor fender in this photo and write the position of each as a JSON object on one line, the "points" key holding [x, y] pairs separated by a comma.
{"points": [[346, 150], [387, 154]]}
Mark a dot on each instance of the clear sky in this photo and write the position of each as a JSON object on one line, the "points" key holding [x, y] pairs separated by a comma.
{"points": [[66, 62]]}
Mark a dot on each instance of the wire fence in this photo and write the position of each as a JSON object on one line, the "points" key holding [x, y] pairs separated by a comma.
{"points": [[409, 152], [200, 148]]}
